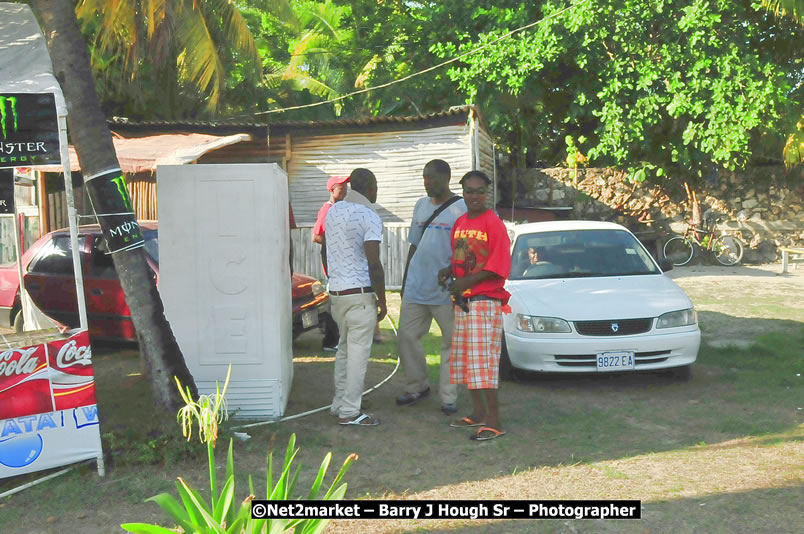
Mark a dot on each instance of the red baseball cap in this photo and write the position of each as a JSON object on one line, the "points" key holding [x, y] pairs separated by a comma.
{"points": [[335, 180]]}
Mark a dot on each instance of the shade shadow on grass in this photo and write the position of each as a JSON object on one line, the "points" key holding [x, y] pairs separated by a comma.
{"points": [[775, 510], [551, 421]]}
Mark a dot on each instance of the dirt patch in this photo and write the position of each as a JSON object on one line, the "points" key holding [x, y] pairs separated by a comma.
{"points": [[737, 304]]}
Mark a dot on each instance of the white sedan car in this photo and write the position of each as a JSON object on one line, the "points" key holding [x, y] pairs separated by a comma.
{"points": [[586, 297]]}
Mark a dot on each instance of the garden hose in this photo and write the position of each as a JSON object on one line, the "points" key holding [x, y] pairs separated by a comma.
{"points": [[321, 409]]}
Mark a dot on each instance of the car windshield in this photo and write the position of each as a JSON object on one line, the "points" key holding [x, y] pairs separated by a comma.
{"points": [[579, 253]]}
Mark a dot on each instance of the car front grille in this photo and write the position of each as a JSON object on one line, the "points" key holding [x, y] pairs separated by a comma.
{"points": [[588, 360], [622, 327]]}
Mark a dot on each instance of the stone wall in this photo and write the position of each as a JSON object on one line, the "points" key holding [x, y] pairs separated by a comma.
{"points": [[764, 206]]}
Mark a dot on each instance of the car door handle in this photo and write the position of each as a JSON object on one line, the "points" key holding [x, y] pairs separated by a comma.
{"points": [[97, 292], [32, 287]]}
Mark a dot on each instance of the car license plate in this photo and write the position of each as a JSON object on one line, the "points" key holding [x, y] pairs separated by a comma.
{"points": [[309, 318], [615, 361]]}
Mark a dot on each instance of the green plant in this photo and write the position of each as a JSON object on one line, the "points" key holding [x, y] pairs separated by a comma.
{"points": [[574, 155], [154, 445], [222, 514]]}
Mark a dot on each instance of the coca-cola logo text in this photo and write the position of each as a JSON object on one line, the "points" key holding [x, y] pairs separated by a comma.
{"points": [[22, 366], [69, 355]]}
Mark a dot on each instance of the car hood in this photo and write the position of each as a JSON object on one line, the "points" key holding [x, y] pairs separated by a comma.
{"points": [[585, 299]]}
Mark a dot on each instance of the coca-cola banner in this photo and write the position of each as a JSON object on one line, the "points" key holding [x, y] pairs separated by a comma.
{"points": [[48, 413]]}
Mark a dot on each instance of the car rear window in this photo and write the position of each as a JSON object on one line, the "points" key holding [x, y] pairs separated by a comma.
{"points": [[55, 257]]}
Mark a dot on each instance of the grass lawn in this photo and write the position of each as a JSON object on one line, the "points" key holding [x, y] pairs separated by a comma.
{"points": [[722, 452]]}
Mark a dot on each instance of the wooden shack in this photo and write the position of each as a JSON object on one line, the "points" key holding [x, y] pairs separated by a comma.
{"points": [[394, 148]]}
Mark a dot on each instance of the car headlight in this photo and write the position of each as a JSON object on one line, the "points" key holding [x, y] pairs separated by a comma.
{"points": [[542, 325], [317, 288], [677, 318]]}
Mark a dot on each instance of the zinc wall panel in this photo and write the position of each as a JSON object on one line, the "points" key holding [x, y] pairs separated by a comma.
{"points": [[396, 158], [393, 253]]}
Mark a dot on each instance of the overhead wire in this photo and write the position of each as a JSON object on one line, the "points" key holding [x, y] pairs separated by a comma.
{"points": [[424, 71]]}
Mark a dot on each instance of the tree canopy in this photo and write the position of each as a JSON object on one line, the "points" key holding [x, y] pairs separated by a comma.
{"points": [[651, 85]]}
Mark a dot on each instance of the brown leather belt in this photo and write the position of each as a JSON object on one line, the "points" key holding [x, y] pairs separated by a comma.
{"points": [[353, 291]]}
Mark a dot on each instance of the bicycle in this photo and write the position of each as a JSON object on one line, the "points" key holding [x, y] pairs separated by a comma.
{"points": [[727, 249]]}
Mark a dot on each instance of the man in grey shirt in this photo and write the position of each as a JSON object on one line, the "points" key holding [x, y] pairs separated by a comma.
{"points": [[422, 298]]}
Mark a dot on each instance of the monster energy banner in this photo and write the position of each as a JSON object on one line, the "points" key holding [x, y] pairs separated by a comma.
{"points": [[112, 204], [6, 191], [29, 130]]}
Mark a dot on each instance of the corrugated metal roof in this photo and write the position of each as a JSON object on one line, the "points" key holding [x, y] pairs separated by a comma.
{"points": [[453, 111]]}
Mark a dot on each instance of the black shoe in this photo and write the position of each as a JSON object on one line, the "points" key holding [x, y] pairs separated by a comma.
{"points": [[449, 409], [409, 399]]}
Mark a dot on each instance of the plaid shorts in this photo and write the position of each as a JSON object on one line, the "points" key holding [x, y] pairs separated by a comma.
{"points": [[476, 344]]}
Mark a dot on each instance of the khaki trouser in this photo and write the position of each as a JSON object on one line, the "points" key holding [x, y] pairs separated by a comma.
{"points": [[414, 323], [356, 316]]}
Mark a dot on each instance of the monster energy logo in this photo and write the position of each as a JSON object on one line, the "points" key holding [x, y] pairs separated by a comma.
{"points": [[6, 115], [120, 182]]}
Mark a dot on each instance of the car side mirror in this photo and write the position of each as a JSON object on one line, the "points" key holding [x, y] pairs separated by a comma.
{"points": [[666, 264]]}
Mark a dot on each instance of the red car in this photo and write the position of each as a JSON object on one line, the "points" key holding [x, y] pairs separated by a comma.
{"points": [[48, 271]]}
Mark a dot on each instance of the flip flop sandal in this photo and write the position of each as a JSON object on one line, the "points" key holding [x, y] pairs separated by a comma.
{"points": [[494, 433], [361, 420], [465, 422]]}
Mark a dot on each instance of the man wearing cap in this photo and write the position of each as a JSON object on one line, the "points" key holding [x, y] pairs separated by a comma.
{"points": [[356, 289], [336, 185]]}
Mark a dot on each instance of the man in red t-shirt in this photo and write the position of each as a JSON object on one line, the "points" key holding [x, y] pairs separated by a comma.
{"points": [[336, 186], [481, 261]]}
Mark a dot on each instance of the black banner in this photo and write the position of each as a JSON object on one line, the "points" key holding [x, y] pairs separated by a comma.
{"points": [[112, 204], [443, 509], [6, 191], [29, 130]]}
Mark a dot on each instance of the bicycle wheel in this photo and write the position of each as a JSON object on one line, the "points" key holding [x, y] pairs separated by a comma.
{"points": [[728, 250], [678, 250]]}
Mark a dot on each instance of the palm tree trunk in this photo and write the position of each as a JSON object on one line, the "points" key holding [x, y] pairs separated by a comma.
{"points": [[90, 135]]}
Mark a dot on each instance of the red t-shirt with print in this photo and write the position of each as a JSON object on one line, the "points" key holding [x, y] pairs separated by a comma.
{"points": [[482, 244]]}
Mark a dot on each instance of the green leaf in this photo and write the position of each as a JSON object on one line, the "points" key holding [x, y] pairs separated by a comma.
{"points": [[144, 528], [225, 501], [277, 526], [172, 507], [209, 521], [192, 510], [269, 479], [341, 473], [230, 461], [320, 478]]}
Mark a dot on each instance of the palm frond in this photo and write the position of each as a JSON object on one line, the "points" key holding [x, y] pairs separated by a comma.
{"points": [[235, 28], [786, 8], [198, 60]]}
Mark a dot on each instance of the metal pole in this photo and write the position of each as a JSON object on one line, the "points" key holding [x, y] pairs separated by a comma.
{"points": [[71, 218], [18, 247]]}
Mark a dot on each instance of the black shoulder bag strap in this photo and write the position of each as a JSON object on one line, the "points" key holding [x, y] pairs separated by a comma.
{"points": [[438, 211]]}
